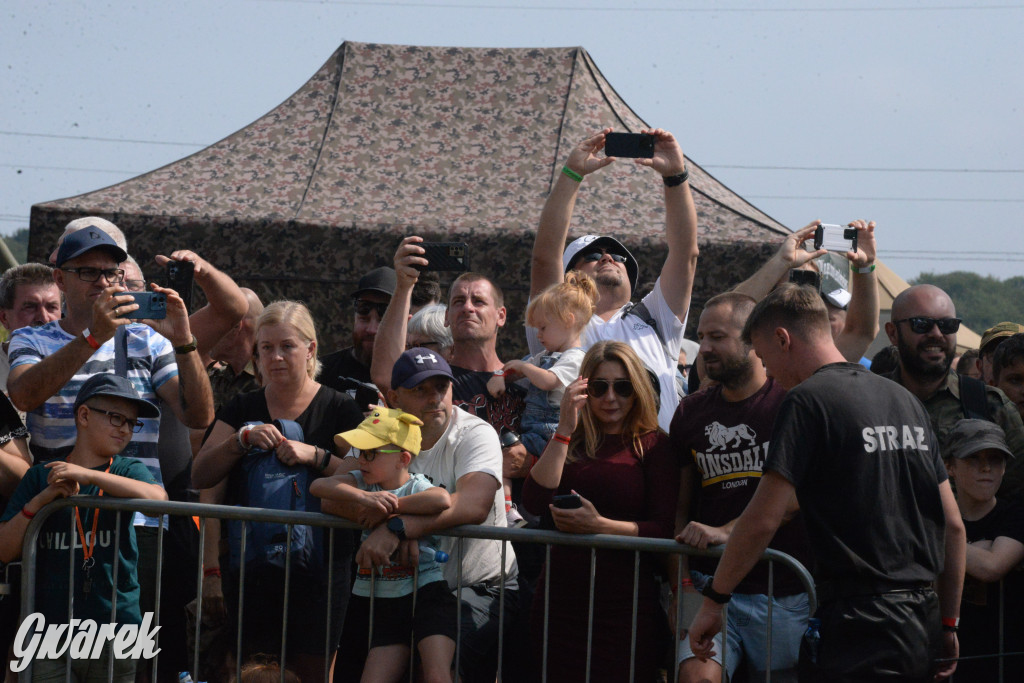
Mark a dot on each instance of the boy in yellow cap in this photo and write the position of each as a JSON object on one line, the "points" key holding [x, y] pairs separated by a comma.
{"points": [[388, 440]]}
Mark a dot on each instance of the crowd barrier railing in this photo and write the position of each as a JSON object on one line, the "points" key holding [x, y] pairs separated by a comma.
{"points": [[204, 512]]}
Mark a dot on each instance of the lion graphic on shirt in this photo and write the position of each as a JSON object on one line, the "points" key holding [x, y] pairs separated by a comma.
{"points": [[720, 436]]}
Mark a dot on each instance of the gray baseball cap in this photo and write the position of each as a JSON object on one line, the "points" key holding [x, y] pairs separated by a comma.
{"points": [[971, 436]]}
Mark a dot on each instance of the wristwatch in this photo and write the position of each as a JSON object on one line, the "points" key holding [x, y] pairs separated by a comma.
{"points": [[715, 596], [187, 348], [397, 527]]}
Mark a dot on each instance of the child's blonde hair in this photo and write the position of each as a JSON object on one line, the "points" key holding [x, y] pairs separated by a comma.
{"points": [[572, 302]]}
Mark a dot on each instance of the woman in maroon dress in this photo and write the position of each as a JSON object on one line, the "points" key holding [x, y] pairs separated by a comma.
{"points": [[609, 450]]}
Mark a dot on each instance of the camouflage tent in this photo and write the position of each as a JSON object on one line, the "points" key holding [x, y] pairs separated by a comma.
{"points": [[385, 141]]}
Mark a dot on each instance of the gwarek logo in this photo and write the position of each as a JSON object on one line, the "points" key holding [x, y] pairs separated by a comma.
{"points": [[82, 639]]}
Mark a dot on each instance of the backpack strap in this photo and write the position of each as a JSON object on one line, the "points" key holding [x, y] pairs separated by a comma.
{"points": [[973, 400], [289, 429], [121, 351], [640, 310]]}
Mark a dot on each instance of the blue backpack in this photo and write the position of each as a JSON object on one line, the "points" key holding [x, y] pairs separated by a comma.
{"points": [[269, 483]]}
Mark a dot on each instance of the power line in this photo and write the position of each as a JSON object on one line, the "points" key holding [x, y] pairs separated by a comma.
{"points": [[886, 199], [951, 258], [865, 169], [693, 10], [99, 139], [67, 168]]}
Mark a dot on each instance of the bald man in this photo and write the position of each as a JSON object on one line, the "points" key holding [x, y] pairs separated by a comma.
{"points": [[923, 327]]}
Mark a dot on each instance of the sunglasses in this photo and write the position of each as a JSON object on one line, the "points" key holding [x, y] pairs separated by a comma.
{"points": [[922, 325], [363, 308], [596, 388], [593, 256], [370, 455]]}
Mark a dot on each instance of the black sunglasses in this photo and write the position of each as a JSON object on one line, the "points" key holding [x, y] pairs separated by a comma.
{"points": [[922, 325], [591, 257], [363, 308], [599, 387]]}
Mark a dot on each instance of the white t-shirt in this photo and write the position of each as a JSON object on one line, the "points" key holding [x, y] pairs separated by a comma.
{"points": [[566, 369], [469, 445], [657, 348]]}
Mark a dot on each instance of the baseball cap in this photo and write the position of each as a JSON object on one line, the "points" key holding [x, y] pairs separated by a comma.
{"points": [[381, 280], [114, 385], [416, 365], [970, 436], [81, 241], [579, 246], [384, 426], [1000, 331]]}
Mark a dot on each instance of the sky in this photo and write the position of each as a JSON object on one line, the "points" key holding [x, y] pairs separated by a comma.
{"points": [[907, 112]]}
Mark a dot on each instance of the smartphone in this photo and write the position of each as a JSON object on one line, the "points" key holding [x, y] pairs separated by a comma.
{"points": [[445, 256], [152, 305], [811, 278], [364, 394], [179, 278], [838, 238], [629, 145], [569, 501]]}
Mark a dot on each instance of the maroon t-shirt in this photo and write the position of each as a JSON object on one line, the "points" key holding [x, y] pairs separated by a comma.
{"points": [[727, 442]]}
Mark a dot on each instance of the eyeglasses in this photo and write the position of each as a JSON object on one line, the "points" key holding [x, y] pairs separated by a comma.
{"points": [[922, 325], [597, 388], [593, 256], [135, 285], [113, 275], [432, 345], [119, 420], [371, 454], [363, 308]]}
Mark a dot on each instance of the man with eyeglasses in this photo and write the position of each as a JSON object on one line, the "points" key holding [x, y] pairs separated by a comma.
{"points": [[369, 301], [923, 327], [654, 327]]}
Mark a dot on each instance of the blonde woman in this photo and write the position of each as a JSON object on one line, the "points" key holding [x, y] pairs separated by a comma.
{"points": [[286, 365], [608, 450]]}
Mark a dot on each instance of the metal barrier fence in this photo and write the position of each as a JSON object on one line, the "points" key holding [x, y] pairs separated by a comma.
{"points": [[504, 535]]}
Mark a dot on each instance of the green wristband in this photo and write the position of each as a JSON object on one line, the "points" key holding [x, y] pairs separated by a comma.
{"points": [[572, 174], [865, 270]]}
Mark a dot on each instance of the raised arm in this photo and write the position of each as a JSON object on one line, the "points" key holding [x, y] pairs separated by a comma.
{"points": [[189, 394], [791, 254], [226, 302], [680, 223], [862, 313], [393, 329], [546, 262]]}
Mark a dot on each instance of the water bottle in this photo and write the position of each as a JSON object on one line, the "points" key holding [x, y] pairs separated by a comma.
{"points": [[429, 553], [812, 636], [185, 677]]}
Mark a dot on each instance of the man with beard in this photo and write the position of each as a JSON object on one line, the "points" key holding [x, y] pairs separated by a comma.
{"points": [[923, 327], [654, 326], [722, 435], [370, 300]]}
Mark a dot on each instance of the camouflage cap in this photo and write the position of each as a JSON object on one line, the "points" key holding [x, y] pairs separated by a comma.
{"points": [[971, 436], [999, 331]]}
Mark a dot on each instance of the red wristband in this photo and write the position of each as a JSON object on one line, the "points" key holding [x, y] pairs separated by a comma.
{"points": [[211, 571], [686, 582], [560, 439], [951, 622], [91, 340], [28, 515]]}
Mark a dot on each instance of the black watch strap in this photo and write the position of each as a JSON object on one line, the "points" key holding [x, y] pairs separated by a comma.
{"points": [[397, 526], [715, 596]]}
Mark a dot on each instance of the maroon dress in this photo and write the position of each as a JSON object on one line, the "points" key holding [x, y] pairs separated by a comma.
{"points": [[622, 487]]}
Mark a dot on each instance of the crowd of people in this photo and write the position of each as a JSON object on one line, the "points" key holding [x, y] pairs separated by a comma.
{"points": [[891, 479]]}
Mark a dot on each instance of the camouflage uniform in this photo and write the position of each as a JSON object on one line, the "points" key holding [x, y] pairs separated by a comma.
{"points": [[226, 384], [945, 410]]}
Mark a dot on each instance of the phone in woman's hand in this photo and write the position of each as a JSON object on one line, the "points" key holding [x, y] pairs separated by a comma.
{"points": [[569, 501]]}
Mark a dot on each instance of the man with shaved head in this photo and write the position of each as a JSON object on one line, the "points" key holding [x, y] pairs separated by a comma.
{"points": [[923, 326]]}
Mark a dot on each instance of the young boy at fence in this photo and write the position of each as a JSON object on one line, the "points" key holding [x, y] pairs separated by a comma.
{"points": [[107, 411], [976, 456], [388, 440], [559, 314]]}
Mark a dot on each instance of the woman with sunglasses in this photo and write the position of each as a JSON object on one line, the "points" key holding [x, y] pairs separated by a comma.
{"points": [[286, 363], [608, 450]]}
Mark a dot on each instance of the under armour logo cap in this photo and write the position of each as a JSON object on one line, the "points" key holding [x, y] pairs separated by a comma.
{"points": [[416, 365]]}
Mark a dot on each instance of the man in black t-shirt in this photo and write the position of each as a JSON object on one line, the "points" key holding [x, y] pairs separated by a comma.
{"points": [[860, 455], [721, 436]]}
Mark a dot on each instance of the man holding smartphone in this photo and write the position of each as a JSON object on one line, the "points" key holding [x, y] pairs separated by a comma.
{"points": [[654, 327]]}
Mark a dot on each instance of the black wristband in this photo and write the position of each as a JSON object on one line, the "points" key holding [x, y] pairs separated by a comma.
{"points": [[715, 596], [186, 348], [674, 180], [950, 629]]}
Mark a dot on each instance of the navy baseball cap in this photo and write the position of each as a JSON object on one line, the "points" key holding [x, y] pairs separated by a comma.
{"points": [[114, 385], [416, 365], [81, 241]]}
